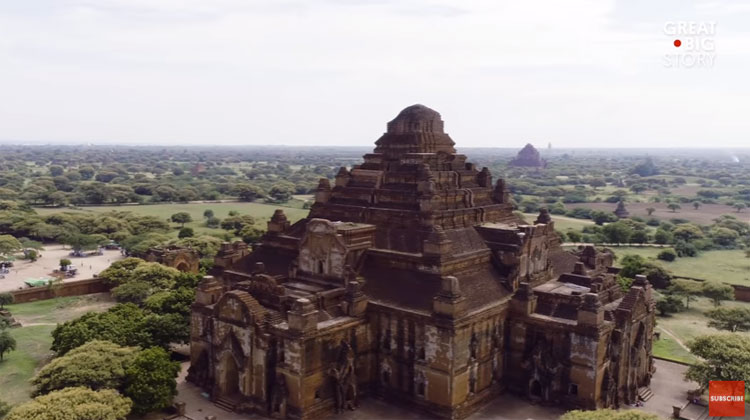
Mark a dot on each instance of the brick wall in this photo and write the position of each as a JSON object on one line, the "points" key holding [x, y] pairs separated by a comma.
{"points": [[72, 288]]}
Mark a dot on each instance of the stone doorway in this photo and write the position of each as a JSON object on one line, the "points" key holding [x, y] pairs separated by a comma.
{"points": [[535, 389], [230, 379]]}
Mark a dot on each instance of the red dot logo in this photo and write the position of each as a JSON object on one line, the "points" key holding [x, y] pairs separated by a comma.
{"points": [[677, 43]]}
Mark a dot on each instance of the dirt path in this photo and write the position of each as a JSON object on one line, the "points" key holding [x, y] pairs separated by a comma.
{"points": [[674, 337]]}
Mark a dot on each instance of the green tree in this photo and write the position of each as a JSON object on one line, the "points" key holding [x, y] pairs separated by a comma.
{"points": [[213, 222], [674, 207], [181, 218], [7, 343], [56, 170], [724, 236], [608, 414], [687, 232], [236, 223], [657, 275], [662, 237], [724, 357], [64, 264], [138, 245], [186, 232], [76, 403], [740, 206], [247, 192], [688, 289], [669, 304], [96, 365], [717, 292], [650, 210], [32, 255], [87, 172], [177, 301], [639, 236], [155, 274], [667, 255], [208, 213], [618, 232], [685, 249], [120, 271], [597, 182], [80, 242], [207, 246], [632, 265], [732, 319], [602, 217], [150, 380], [250, 234], [132, 291], [281, 192], [4, 408], [697, 204], [574, 236], [9, 245], [125, 324], [5, 299]]}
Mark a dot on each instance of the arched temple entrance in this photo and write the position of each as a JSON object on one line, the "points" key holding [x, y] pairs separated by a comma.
{"points": [[535, 389], [229, 382]]}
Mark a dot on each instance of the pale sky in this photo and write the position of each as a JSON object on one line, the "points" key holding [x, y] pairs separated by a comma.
{"points": [[577, 73]]}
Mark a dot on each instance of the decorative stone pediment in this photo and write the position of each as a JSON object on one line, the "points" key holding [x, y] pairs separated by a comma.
{"points": [[322, 250], [238, 307]]}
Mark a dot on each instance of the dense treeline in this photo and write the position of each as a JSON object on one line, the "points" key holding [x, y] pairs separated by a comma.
{"points": [[60, 176]]}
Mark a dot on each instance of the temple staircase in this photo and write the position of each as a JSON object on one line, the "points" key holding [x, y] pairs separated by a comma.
{"points": [[645, 393], [226, 403]]}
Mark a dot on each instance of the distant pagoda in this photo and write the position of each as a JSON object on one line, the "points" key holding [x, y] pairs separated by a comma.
{"points": [[528, 157], [621, 211]]}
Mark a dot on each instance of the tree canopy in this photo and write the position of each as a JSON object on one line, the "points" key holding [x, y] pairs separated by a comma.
{"points": [[725, 357], [7, 343], [96, 365], [123, 324], [150, 380], [732, 319], [9, 245], [717, 292], [76, 403]]}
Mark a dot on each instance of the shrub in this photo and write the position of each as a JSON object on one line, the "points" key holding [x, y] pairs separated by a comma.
{"points": [[669, 304], [186, 232], [667, 255]]}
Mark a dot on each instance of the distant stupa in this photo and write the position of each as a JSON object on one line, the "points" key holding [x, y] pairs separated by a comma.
{"points": [[529, 157], [621, 211]]}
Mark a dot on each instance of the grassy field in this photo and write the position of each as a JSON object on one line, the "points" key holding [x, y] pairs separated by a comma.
{"points": [[261, 212], [667, 348], [33, 339], [686, 326], [704, 215], [730, 266], [726, 266]]}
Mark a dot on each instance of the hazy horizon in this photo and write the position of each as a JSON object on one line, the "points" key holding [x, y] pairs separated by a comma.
{"points": [[581, 74]]}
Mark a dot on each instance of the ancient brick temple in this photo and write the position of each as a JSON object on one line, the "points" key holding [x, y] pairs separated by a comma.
{"points": [[528, 157], [412, 280]]}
